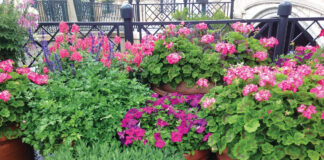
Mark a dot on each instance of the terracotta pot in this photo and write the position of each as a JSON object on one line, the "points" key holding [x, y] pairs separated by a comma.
{"points": [[15, 149], [182, 89], [199, 155], [224, 156]]}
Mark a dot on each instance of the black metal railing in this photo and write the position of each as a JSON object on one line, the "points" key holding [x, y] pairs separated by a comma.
{"points": [[290, 32], [89, 10], [47, 31], [52, 10], [157, 12]]}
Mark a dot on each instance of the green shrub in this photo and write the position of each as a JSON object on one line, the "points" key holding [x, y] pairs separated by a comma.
{"points": [[87, 107], [184, 15], [113, 151], [12, 36]]}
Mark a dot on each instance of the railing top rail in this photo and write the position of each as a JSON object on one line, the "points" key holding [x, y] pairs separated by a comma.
{"points": [[307, 19], [178, 3], [81, 23], [210, 21]]}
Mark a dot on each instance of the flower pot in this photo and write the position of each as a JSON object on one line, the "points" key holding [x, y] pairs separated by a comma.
{"points": [[224, 156], [199, 155], [15, 150], [182, 89]]}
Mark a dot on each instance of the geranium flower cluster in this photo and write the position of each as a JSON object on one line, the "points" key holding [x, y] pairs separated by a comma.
{"points": [[296, 76], [173, 58], [169, 115], [225, 48], [135, 53], [71, 48], [242, 28], [208, 102], [207, 39], [6, 67], [201, 26], [202, 82], [269, 42], [260, 55], [307, 113]]}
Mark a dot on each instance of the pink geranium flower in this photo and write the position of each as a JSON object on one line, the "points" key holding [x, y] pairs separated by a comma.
{"points": [[202, 82], [23, 71], [184, 31], [207, 38], [262, 95], [242, 28], [208, 102], [4, 76], [201, 26], [322, 117], [260, 55], [322, 33], [117, 40], [6, 65], [249, 89], [225, 48], [301, 108], [63, 27], [45, 70], [161, 123], [173, 58], [64, 53], [76, 56], [5, 95], [75, 28], [269, 42]]}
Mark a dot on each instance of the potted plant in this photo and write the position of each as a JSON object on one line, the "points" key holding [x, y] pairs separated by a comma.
{"points": [[268, 113], [86, 97], [193, 60], [13, 101], [166, 122]]}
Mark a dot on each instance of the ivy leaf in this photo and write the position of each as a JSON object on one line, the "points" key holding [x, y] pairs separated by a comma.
{"points": [[252, 125]]}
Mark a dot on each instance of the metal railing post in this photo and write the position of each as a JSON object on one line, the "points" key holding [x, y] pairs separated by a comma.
{"points": [[126, 12], [284, 11], [138, 11], [203, 6], [232, 9], [185, 3]]}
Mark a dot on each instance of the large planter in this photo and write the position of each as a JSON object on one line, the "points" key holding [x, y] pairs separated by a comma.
{"points": [[182, 89], [198, 155], [15, 150], [224, 156]]}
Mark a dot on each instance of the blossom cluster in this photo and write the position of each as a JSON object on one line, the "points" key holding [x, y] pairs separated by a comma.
{"points": [[269, 42], [202, 82], [71, 48], [225, 48], [7, 67], [167, 106], [242, 28], [296, 76], [173, 58]]}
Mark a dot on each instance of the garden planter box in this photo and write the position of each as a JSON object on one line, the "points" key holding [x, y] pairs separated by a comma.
{"points": [[182, 89], [224, 156], [15, 150], [199, 155]]}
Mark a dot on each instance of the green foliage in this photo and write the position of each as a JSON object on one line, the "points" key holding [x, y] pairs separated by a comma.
{"points": [[86, 107], [11, 111], [184, 15], [113, 151], [12, 36], [192, 66], [264, 130]]}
